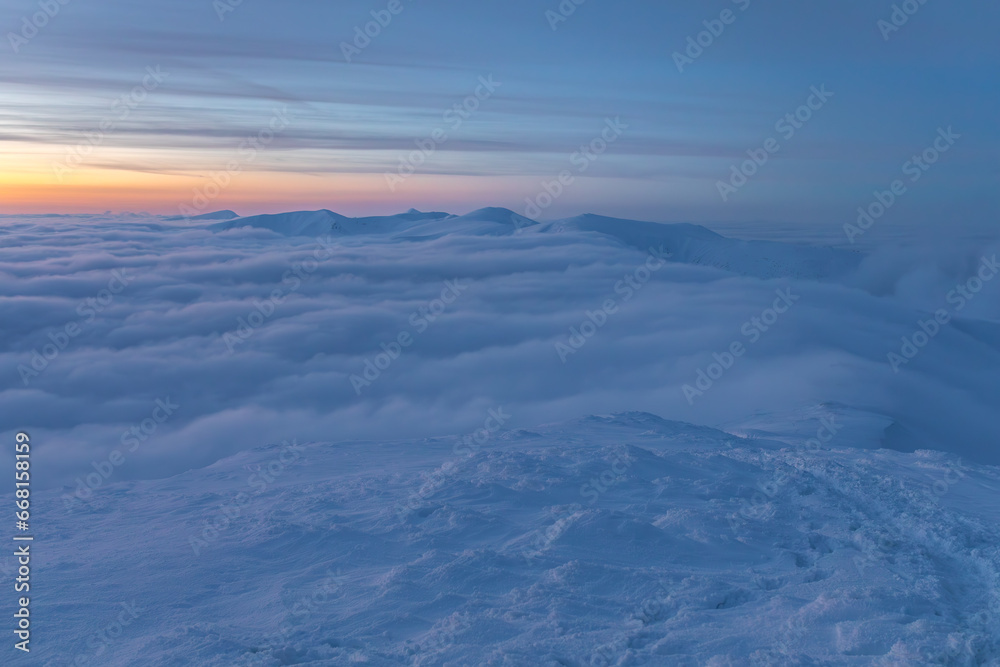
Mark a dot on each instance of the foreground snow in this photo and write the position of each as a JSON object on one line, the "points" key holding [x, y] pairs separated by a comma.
{"points": [[620, 540]]}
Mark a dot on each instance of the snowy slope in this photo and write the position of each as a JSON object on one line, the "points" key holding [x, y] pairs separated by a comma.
{"points": [[611, 540], [413, 225], [317, 223], [298, 223], [693, 244], [491, 221], [214, 215]]}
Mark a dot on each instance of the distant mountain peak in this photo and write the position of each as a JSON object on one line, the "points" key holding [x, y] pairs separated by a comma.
{"points": [[214, 215], [680, 242], [499, 215]]}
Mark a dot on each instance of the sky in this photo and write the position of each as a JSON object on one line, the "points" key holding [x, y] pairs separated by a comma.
{"points": [[264, 106]]}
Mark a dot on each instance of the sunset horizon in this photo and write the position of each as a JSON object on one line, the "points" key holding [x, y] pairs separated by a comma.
{"points": [[512, 333]]}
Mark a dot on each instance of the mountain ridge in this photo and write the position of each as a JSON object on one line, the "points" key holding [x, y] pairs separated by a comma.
{"points": [[687, 243]]}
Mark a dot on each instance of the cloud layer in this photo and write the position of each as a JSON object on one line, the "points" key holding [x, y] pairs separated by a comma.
{"points": [[176, 344]]}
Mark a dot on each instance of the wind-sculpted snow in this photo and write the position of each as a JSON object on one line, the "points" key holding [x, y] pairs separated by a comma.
{"points": [[611, 540]]}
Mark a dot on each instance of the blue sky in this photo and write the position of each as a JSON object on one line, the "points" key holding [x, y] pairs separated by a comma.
{"points": [[350, 123]]}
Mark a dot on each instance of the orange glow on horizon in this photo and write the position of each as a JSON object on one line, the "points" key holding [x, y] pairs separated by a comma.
{"points": [[90, 190]]}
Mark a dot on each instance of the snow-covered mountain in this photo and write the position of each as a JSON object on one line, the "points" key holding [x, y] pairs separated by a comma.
{"points": [[612, 540], [213, 215], [686, 243], [693, 244]]}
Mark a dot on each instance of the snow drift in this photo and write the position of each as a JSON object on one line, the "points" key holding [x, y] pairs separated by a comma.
{"points": [[611, 540]]}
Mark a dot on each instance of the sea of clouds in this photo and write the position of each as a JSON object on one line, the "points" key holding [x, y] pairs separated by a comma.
{"points": [[137, 347]]}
